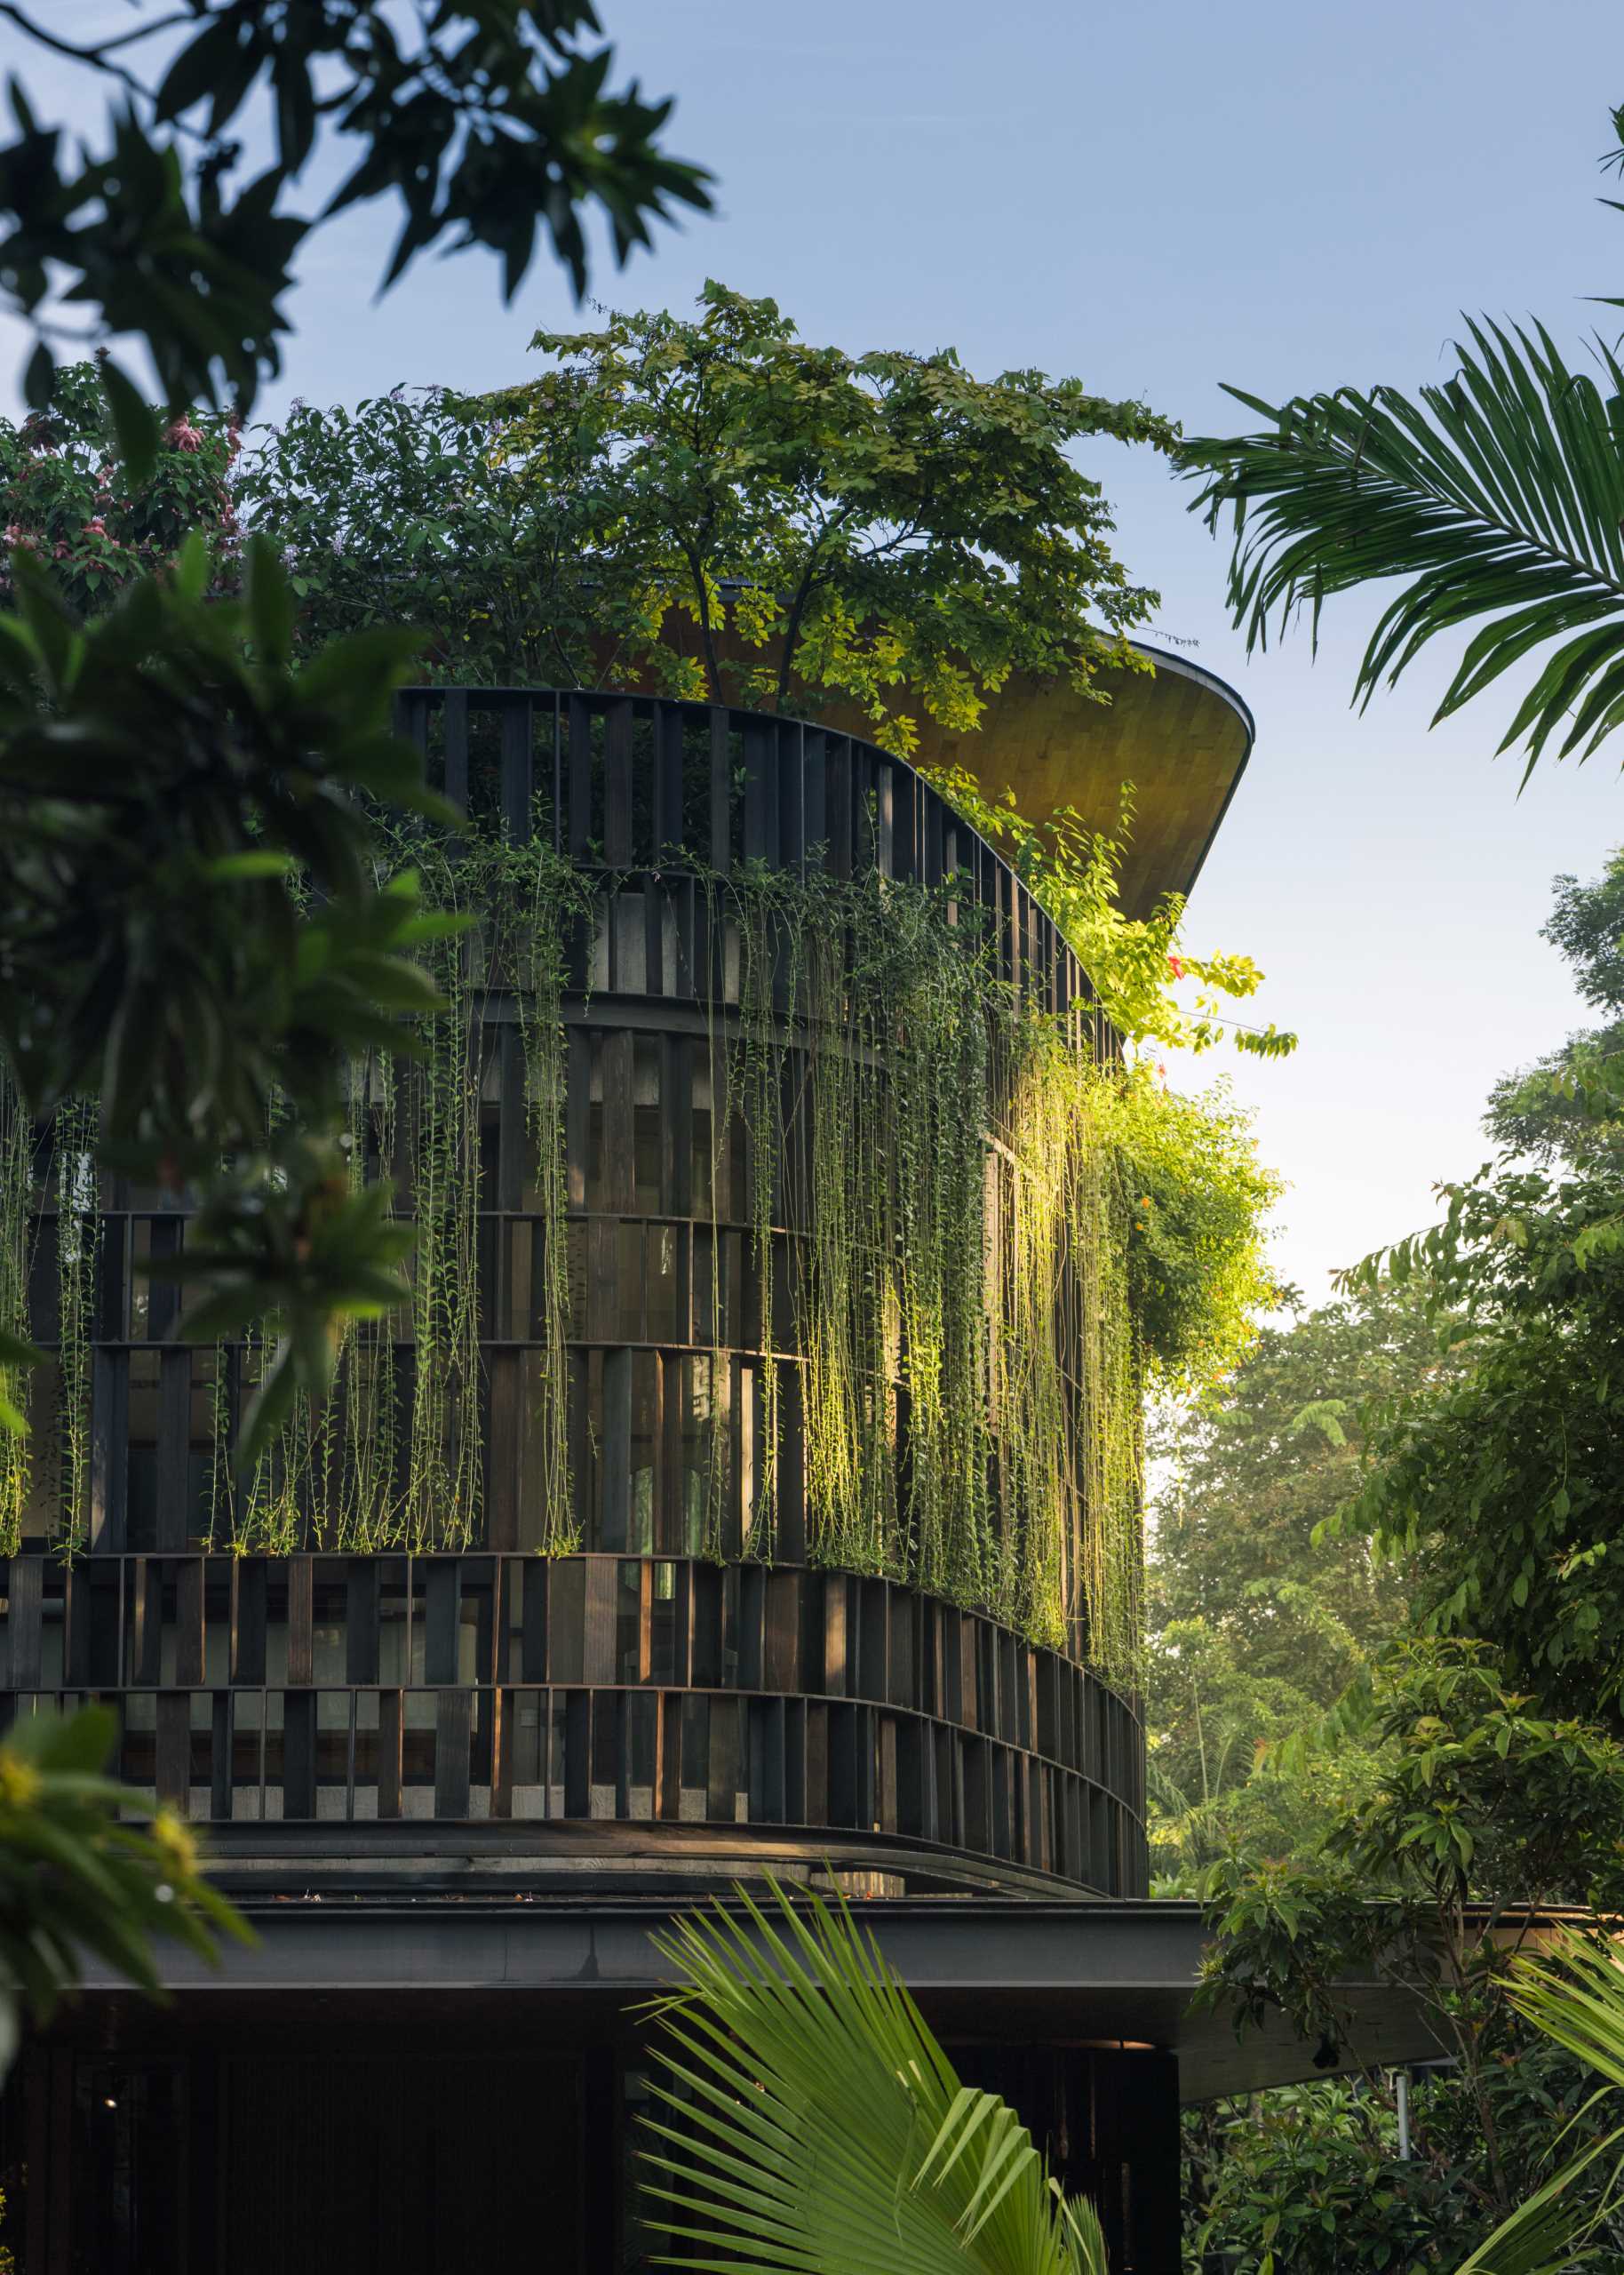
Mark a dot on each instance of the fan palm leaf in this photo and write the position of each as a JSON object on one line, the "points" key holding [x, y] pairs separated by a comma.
{"points": [[1498, 496], [807, 2122], [1579, 2002]]}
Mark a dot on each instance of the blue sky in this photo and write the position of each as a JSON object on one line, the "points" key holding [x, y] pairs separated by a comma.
{"points": [[1287, 197]]}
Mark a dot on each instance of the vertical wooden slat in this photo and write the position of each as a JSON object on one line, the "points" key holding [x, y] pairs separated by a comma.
{"points": [[503, 1444], [145, 1620], [174, 1436], [580, 778], [301, 1619], [598, 1652], [361, 1620], [453, 1724], [518, 768], [391, 1724], [721, 793], [504, 1724], [26, 1589], [667, 799], [456, 746], [189, 1572], [221, 1750], [174, 1750], [617, 1064], [110, 1450], [578, 1753], [618, 803], [298, 1753], [248, 1621], [441, 1619]]}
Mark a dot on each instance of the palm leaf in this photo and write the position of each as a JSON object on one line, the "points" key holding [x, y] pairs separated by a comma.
{"points": [[1580, 2003], [1498, 496], [809, 2122]]}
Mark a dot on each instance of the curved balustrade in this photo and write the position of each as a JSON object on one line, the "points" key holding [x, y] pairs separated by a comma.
{"points": [[620, 1690]]}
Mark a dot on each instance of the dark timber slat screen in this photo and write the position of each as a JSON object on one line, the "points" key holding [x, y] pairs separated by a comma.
{"points": [[350, 1688], [631, 1681]]}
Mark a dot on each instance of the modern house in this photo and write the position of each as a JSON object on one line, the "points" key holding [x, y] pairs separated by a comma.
{"points": [[737, 1494]]}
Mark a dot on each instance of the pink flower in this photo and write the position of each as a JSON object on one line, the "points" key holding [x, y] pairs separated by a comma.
{"points": [[97, 527], [1176, 965], [184, 435]]}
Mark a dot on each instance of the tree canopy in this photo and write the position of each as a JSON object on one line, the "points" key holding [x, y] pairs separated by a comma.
{"points": [[1564, 1106], [1258, 1626], [712, 507]]}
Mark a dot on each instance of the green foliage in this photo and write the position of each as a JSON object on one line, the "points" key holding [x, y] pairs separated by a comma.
{"points": [[932, 1268], [482, 119], [1133, 962], [189, 923], [1473, 1798], [164, 778], [1504, 1482], [871, 1054], [1260, 1624], [334, 1470], [1197, 1196], [1308, 2181], [1312, 2175], [807, 2117], [856, 522], [1497, 497], [1566, 1105], [69, 501], [407, 510], [74, 1880]]}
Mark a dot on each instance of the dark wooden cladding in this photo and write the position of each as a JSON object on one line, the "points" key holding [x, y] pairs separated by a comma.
{"points": [[346, 1689], [635, 1681], [631, 784]]}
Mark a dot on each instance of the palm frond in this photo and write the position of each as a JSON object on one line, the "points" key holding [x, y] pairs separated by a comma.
{"points": [[1499, 496], [1579, 2001], [810, 2124]]}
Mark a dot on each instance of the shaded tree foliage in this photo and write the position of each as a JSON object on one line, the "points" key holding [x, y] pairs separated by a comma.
{"points": [[1561, 1107], [1258, 1626]]}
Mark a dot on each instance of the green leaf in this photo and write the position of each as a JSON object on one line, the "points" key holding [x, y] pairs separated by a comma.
{"points": [[135, 425]]}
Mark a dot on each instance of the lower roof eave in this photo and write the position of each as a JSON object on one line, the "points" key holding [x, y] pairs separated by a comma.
{"points": [[500, 1970]]}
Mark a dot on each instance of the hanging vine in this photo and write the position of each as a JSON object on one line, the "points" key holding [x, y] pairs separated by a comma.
{"points": [[541, 899], [940, 1235], [17, 1203], [363, 1414], [78, 1233]]}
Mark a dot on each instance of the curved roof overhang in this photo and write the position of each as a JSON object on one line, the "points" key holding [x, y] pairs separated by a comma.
{"points": [[1175, 731]]}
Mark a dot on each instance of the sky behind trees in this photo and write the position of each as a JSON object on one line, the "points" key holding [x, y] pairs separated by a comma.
{"points": [[1159, 200]]}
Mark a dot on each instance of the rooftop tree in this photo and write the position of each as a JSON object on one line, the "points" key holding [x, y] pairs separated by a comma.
{"points": [[832, 525]]}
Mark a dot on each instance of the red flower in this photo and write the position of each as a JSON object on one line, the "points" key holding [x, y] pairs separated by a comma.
{"points": [[1176, 965], [184, 435]]}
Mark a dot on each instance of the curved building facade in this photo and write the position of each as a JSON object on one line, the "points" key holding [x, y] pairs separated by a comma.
{"points": [[751, 1482], [517, 1578]]}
